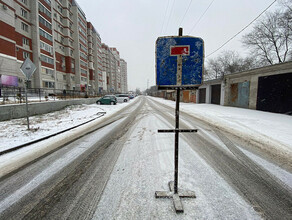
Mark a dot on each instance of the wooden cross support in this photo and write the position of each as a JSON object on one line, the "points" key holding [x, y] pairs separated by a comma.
{"points": [[179, 130], [175, 196]]}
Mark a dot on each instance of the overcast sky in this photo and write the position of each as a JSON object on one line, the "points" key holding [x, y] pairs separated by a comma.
{"points": [[132, 26]]}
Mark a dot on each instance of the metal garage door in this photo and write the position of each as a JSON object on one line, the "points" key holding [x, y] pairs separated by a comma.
{"points": [[240, 95], [215, 94], [275, 93], [202, 95]]}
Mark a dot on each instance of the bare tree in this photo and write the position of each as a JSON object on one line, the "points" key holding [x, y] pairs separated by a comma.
{"points": [[227, 62], [270, 39]]}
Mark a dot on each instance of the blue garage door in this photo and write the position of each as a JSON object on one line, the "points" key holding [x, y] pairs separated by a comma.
{"points": [[240, 95]]}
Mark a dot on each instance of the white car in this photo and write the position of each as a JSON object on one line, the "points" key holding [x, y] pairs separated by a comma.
{"points": [[122, 97]]}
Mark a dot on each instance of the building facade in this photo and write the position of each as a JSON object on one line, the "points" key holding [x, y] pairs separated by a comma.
{"points": [[65, 48], [124, 78]]}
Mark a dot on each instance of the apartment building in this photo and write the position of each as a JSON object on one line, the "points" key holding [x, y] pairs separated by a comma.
{"points": [[107, 67], [81, 47], [15, 40], [65, 48], [101, 78], [94, 59], [116, 69], [124, 77]]}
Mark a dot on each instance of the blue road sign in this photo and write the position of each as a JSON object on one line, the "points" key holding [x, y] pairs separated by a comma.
{"points": [[179, 62]]}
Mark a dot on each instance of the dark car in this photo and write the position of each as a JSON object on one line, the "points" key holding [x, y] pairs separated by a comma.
{"points": [[131, 96], [107, 100]]}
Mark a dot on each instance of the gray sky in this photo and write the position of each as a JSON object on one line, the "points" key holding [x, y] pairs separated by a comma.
{"points": [[132, 26]]}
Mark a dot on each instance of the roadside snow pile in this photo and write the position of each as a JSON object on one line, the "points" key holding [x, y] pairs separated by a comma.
{"points": [[14, 132], [264, 129]]}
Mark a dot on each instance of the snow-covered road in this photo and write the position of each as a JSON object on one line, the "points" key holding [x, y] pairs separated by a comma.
{"points": [[230, 180], [146, 165]]}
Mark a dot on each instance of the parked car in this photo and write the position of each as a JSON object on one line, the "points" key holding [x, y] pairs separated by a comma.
{"points": [[122, 97], [131, 96], [107, 100]]}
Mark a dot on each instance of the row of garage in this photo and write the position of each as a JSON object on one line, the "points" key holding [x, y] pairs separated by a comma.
{"points": [[267, 89]]}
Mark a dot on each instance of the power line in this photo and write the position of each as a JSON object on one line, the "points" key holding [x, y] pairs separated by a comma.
{"points": [[164, 17], [185, 13], [170, 15], [242, 29], [201, 17]]}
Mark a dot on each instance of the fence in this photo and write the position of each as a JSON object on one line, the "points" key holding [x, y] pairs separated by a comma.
{"points": [[10, 95]]}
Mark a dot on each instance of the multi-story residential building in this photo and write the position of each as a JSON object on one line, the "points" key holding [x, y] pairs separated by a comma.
{"points": [[40, 30], [81, 45], [94, 59], [65, 48], [107, 57], [15, 40], [116, 69], [101, 77], [124, 76]]}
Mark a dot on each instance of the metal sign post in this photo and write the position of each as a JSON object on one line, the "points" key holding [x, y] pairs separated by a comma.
{"points": [[27, 68], [168, 78]]}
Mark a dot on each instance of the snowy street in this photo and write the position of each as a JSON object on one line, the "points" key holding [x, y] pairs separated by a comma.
{"points": [[238, 164]]}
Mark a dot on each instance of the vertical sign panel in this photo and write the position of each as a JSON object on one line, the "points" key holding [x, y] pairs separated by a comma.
{"points": [[168, 51]]}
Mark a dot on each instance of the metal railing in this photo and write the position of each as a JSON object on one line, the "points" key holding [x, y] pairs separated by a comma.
{"points": [[13, 95]]}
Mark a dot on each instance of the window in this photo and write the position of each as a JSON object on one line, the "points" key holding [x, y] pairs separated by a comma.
{"points": [[83, 71], [63, 63], [82, 23], [24, 1], [23, 13], [83, 63], [46, 35], [48, 1], [45, 22], [61, 29], [61, 19], [25, 41], [24, 27], [44, 10], [62, 48], [83, 48], [48, 84], [60, 9], [25, 54], [82, 31], [64, 77], [83, 55], [73, 68], [47, 71], [46, 47], [47, 59]]}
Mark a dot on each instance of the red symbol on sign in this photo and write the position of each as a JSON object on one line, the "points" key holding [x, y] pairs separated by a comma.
{"points": [[179, 50]]}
